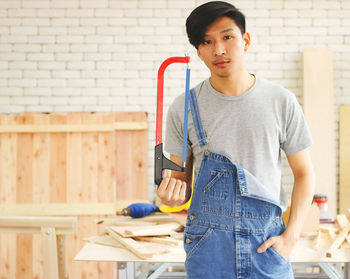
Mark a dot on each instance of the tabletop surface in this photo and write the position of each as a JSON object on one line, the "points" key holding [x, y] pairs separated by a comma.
{"points": [[303, 252]]}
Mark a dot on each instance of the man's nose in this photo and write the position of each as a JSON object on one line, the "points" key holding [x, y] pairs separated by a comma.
{"points": [[219, 49]]}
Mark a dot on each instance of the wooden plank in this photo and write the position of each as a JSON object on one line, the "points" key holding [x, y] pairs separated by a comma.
{"points": [[58, 161], [161, 240], [63, 209], [104, 240], [58, 192], [74, 188], [24, 194], [343, 221], [140, 159], [153, 230], [62, 257], [8, 178], [131, 162], [319, 108], [41, 180], [67, 223], [159, 218], [123, 161], [87, 128], [90, 189], [130, 244], [78, 190], [155, 218], [106, 172], [316, 242], [338, 241], [344, 159], [131, 231], [48, 235], [118, 222]]}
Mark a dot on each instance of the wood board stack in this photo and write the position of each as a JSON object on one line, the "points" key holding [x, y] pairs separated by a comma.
{"points": [[340, 235], [327, 237], [330, 237], [144, 237], [68, 164]]}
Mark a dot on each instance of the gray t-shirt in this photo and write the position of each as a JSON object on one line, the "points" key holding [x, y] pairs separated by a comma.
{"points": [[250, 129]]}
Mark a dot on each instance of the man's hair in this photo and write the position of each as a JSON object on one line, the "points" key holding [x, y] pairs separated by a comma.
{"points": [[204, 15]]}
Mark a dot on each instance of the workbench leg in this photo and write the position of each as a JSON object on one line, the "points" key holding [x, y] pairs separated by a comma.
{"points": [[48, 235], [331, 271], [159, 271], [126, 270], [62, 257], [347, 270]]}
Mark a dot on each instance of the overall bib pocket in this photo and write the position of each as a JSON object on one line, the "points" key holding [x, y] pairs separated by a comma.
{"points": [[218, 193], [194, 238]]}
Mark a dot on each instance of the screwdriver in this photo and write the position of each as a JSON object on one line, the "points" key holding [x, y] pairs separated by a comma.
{"points": [[138, 210]]}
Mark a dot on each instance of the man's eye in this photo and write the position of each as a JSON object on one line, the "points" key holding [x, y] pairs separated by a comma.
{"points": [[206, 42], [227, 37]]}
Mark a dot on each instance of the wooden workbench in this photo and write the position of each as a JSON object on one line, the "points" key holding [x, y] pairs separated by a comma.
{"points": [[302, 253], [307, 251]]}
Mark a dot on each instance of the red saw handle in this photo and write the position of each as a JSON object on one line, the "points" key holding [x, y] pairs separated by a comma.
{"points": [[160, 89]]}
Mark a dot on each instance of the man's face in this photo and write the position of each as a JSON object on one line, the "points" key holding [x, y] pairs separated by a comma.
{"points": [[223, 47]]}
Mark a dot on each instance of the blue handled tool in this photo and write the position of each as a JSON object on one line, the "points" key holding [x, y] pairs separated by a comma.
{"points": [[138, 210]]}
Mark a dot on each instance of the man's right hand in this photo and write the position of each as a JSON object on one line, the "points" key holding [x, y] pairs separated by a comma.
{"points": [[173, 192]]}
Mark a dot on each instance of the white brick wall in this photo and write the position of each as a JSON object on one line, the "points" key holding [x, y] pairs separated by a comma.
{"points": [[103, 55]]}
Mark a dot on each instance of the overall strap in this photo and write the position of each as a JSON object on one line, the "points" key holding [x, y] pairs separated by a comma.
{"points": [[202, 137]]}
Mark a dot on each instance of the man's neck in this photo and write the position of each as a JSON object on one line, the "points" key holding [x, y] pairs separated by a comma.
{"points": [[233, 85]]}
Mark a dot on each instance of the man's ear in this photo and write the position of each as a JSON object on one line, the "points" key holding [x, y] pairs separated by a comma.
{"points": [[199, 54], [246, 39]]}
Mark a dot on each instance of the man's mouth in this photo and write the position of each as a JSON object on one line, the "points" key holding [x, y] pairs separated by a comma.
{"points": [[221, 63]]}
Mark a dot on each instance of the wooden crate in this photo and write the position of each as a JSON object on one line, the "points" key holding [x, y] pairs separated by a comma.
{"points": [[73, 158]]}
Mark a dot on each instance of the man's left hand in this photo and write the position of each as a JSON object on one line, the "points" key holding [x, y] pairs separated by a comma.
{"points": [[281, 243]]}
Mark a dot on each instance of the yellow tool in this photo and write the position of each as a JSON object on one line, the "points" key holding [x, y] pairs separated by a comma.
{"points": [[186, 206]]}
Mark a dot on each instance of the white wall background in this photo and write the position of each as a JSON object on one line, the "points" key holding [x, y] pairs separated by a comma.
{"points": [[103, 55]]}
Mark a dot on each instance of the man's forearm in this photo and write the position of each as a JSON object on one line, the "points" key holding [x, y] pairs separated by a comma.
{"points": [[302, 195]]}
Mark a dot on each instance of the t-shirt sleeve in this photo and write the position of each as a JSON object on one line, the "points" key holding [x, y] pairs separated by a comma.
{"points": [[297, 132], [174, 131]]}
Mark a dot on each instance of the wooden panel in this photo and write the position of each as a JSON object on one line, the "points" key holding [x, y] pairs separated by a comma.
{"points": [[106, 181], [24, 194], [344, 159], [131, 160], [319, 112], [58, 162], [41, 179], [90, 192], [75, 186], [8, 178], [76, 167]]}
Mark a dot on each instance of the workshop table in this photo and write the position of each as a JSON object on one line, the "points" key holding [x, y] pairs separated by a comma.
{"points": [[303, 253]]}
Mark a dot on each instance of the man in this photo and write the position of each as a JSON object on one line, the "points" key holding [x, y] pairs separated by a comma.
{"points": [[238, 125]]}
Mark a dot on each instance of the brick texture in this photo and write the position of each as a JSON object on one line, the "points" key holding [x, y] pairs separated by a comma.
{"points": [[103, 55]]}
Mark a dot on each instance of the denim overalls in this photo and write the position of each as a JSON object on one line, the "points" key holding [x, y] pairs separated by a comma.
{"points": [[226, 224]]}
